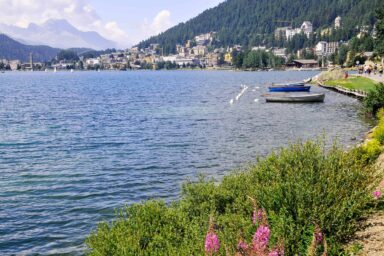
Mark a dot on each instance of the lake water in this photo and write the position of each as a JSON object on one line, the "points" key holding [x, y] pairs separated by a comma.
{"points": [[75, 146]]}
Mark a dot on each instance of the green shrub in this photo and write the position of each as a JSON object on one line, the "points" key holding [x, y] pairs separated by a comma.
{"points": [[298, 187], [375, 99], [378, 133]]}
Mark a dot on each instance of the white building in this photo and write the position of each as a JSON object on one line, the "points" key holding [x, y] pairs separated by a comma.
{"points": [[257, 48], [92, 62], [14, 64], [280, 52], [307, 28], [326, 48], [291, 32], [338, 22], [204, 38]]}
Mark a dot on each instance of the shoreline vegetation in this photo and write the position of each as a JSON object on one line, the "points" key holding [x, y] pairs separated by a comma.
{"points": [[308, 198]]}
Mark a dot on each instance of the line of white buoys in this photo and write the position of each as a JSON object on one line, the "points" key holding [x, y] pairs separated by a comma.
{"points": [[242, 92]]}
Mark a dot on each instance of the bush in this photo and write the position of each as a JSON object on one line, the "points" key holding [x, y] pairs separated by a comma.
{"points": [[370, 151], [375, 99], [298, 187], [378, 133]]}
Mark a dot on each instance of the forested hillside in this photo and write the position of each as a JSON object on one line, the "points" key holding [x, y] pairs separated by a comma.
{"points": [[12, 50], [252, 22]]}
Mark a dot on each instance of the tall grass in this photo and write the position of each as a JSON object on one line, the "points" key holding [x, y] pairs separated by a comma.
{"points": [[299, 187]]}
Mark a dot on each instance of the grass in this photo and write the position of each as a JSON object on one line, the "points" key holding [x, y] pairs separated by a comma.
{"points": [[355, 83], [300, 186]]}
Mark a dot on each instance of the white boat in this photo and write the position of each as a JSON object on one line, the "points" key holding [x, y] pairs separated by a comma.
{"points": [[295, 98], [55, 70]]}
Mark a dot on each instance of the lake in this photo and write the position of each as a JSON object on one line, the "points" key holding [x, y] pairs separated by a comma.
{"points": [[75, 146]]}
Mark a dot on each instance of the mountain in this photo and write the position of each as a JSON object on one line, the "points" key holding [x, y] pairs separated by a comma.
{"points": [[252, 22], [12, 50], [57, 33]]}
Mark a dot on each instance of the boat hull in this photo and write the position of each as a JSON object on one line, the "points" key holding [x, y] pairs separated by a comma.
{"points": [[292, 98], [290, 84], [289, 88]]}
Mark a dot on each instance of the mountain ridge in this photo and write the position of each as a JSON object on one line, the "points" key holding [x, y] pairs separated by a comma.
{"points": [[57, 33]]}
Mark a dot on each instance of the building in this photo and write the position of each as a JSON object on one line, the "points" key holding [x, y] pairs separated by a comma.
{"points": [[338, 22], [92, 62], [280, 52], [259, 48], [306, 63], [228, 58], [291, 32], [203, 39], [323, 48], [14, 64], [307, 28], [200, 50], [281, 32]]}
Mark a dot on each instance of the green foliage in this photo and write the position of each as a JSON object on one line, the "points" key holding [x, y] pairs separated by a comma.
{"points": [[67, 55], [375, 99], [297, 186], [258, 60], [252, 23], [378, 133], [369, 152], [379, 42]]}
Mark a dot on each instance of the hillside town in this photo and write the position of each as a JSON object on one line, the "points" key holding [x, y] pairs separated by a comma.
{"points": [[199, 53]]}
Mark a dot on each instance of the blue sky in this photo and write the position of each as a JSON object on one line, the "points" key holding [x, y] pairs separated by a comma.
{"points": [[131, 15], [124, 21]]}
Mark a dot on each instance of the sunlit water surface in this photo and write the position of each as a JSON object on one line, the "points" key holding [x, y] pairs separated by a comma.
{"points": [[75, 146]]}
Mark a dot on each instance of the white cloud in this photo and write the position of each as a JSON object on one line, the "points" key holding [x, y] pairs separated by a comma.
{"points": [[79, 13], [160, 23]]}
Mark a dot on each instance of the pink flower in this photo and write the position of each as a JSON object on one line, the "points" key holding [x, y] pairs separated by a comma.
{"points": [[261, 238], [254, 217], [212, 243], [260, 214], [242, 246], [318, 236], [377, 194], [274, 253]]}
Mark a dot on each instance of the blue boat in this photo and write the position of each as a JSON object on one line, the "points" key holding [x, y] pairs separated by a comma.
{"points": [[289, 88], [290, 84]]}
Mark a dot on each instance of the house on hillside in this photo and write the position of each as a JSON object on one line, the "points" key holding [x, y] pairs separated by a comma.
{"points": [[307, 28]]}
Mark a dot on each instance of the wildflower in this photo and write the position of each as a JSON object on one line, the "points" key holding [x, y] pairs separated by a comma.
{"points": [[242, 246], [260, 214], [274, 253], [377, 194], [254, 217], [318, 235], [212, 243], [261, 238]]}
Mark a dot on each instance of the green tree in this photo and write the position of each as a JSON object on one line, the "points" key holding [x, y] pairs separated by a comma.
{"points": [[67, 55], [379, 42]]}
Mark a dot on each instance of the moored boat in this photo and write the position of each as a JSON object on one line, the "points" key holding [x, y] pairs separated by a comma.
{"points": [[290, 84], [286, 88], [295, 98]]}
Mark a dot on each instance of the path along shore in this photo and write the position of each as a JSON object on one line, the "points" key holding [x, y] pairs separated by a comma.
{"points": [[371, 235]]}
